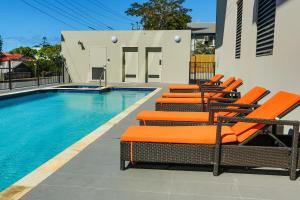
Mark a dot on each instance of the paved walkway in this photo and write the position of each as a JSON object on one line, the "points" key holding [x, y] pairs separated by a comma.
{"points": [[95, 174]]}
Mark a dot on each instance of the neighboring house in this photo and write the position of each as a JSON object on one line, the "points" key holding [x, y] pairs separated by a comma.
{"points": [[202, 32], [257, 41], [6, 57], [37, 47], [129, 56], [18, 68]]}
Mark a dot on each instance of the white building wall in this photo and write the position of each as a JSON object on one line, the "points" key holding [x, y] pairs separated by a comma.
{"points": [[280, 71], [5, 64], [175, 61]]}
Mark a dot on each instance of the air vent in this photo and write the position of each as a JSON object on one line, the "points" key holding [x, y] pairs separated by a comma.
{"points": [[239, 21], [97, 72], [265, 27], [130, 75]]}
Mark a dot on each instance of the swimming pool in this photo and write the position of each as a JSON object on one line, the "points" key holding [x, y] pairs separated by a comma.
{"points": [[36, 127]]}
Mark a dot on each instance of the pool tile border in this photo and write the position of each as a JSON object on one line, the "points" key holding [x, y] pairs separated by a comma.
{"points": [[31, 180]]}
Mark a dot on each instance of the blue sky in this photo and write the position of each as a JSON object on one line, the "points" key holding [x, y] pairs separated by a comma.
{"points": [[22, 25]]}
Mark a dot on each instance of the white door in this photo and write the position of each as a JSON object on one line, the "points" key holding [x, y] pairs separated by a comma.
{"points": [[154, 66], [131, 66], [98, 60]]}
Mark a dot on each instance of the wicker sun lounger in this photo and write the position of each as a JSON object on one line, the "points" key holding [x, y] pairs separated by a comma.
{"points": [[197, 104], [247, 102], [248, 143], [195, 88], [215, 81], [231, 87]]}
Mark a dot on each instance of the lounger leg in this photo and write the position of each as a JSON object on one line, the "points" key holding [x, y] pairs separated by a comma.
{"points": [[122, 164], [293, 167], [216, 170], [217, 149]]}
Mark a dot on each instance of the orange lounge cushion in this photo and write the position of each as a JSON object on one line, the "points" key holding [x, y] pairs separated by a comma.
{"points": [[185, 95], [229, 88], [249, 98], [177, 134], [173, 116], [216, 78], [180, 100], [252, 95], [227, 82], [183, 87]]}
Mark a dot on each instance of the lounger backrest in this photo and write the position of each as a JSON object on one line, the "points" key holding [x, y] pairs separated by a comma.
{"points": [[216, 78], [227, 82], [250, 97], [275, 107], [230, 88]]}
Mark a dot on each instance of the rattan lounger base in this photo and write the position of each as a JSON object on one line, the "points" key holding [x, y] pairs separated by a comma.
{"points": [[231, 155]]}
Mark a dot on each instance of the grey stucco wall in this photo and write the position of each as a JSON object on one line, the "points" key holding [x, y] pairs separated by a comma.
{"points": [[280, 71]]}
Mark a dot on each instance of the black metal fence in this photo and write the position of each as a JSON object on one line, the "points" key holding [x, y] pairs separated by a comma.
{"points": [[200, 71], [10, 79]]}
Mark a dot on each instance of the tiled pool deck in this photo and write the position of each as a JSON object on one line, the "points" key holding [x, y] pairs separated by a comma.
{"points": [[94, 174]]}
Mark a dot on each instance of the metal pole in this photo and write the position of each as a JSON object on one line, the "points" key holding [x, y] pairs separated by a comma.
{"points": [[59, 72], [105, 76], [9, 75], [63, 71], [190, 80], [38, 75]]}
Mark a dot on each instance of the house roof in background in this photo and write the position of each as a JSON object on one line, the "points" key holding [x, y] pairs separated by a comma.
{"points": [[7, 57], [198, 27]]}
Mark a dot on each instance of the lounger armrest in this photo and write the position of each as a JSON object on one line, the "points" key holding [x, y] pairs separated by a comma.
{"points": [[211, 100], [222, 104], [214, 110], [211, 86], [211, 89], [221, 92], [259, 120], [202, 81], [217, 83], [238, 94]]}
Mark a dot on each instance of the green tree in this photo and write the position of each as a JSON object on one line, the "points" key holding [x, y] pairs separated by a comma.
{"points": [[161, 14], [1, 44], [51, 52], [44, 42], [204, 48], [25, 51], [49, 59]]}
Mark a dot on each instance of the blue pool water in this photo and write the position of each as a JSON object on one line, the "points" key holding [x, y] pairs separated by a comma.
{"points": [[36, 127]]}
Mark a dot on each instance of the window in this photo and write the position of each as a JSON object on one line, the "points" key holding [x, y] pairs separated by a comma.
{"points": [[265, 27], [97, 72], [239, 29], [206, 38]]}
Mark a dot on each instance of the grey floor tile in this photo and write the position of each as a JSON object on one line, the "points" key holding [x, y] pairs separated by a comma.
{"points": [[269, 192], [77, 193], [207, 197], [202, 188], [112, 182]]}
